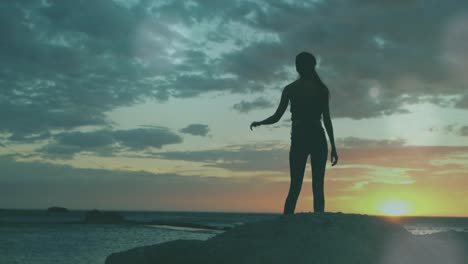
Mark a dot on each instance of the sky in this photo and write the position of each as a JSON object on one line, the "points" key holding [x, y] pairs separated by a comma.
{"points": [[146, 105]]}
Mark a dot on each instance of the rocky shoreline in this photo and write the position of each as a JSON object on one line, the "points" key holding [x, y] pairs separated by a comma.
{"points": [[309, 238]]}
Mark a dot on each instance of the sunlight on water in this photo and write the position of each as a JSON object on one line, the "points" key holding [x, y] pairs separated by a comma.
{"points": [[421, 251]]}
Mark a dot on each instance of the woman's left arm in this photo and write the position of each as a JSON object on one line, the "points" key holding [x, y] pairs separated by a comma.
{"points": [[278, 113], [329, 127]]}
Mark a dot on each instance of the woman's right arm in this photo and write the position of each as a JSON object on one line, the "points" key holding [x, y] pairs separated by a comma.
{"points": [[278, 113], [329, 127]]}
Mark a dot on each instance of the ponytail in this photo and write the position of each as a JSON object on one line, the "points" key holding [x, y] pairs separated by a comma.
{"points": [[322, 85]]}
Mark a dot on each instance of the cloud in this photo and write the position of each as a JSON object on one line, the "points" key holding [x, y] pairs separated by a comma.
{"points": [[142, 138], [365, 174], [267, 156], [34, 184], [359, 57], [26, 184], [258, 103], [462, 102], [463, 131], [359, 156], [196, 130], [354, 142], [273, 156], [29, 121], [108, 142], [454, 129], [63, 70]]}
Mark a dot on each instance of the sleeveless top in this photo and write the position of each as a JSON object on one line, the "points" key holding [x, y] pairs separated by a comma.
{"points": [[308, 102]]}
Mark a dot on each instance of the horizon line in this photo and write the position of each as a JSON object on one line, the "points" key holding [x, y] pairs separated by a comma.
{"points": [[228, 212]]}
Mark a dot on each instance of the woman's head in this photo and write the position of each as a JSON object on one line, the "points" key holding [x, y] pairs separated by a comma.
{"points": [[305, 64]]}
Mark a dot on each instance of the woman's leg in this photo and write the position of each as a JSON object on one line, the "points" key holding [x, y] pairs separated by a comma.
{"points": [[318, 162], [297, 162]]}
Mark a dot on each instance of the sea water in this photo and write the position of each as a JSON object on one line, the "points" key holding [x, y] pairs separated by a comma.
{"points": [[33, 236]]}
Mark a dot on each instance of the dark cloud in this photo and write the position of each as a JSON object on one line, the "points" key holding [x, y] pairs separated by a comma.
{"points": [[453, 129], [462, 102], [450, 128], [196, 130], [361, 49], [28, 121], [366, 58], [258, 103], [86, 139], [108, 142], [262, 156], [261, 61], [463, 131], [29, 138], [142, 138], [65, 64], [63, 69]]}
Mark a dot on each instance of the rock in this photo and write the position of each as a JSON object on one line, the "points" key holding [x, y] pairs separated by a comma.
{"points": [[98, 217], [305, 238], [57, 209], [170, 252]]}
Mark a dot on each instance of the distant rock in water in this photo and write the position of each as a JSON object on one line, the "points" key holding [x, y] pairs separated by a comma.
{"points": [[308, 238], [57, 209], [98, 217]]}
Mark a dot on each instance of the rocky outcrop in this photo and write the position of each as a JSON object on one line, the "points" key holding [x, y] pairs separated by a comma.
{"points": [[308, 238]]}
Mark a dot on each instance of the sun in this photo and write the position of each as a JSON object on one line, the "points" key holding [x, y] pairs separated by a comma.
{"points": [[394, 208]]}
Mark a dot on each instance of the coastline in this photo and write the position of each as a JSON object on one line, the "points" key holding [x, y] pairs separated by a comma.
{"points": [[309, 238]]}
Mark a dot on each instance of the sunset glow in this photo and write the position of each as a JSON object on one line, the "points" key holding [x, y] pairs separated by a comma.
{"points": [[394, 208], [120, 104]]}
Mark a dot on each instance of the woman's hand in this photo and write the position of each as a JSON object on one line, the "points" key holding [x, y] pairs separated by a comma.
{"points": [[254, 124], [334, 157]]}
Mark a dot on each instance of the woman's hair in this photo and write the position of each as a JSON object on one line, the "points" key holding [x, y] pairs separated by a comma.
{"points": [[305, 67]]}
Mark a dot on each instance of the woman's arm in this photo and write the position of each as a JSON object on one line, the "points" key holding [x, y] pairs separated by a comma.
{"points": [[329, 127], [278, 113]]}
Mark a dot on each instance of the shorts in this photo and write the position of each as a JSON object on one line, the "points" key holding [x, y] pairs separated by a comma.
{"points": [[309, 138]]}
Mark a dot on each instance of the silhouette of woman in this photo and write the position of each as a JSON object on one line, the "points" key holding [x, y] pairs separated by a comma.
{"points": [[309, 99]]}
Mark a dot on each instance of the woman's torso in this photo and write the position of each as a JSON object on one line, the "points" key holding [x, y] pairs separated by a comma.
{"points": [[307, 103], [308, 100]]}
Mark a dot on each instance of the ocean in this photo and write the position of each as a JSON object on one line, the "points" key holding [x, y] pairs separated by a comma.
{"points": [[34, 236]]}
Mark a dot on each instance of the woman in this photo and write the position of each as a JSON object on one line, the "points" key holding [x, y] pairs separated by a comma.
{"points": [[309, 99]]}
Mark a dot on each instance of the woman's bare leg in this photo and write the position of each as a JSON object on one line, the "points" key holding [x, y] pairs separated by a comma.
{"points": [[318, 162], [297, 162]]}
